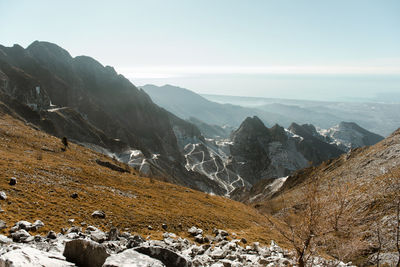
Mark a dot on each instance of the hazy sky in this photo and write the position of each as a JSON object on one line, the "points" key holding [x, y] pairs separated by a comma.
{"points": [[296, 49]]}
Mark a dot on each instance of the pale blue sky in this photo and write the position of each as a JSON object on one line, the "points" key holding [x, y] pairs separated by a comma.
{"points": [[297, 49]]}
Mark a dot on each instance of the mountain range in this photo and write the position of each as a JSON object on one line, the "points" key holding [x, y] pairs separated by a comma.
{"points": [[93, 105], [332, 185], [376, 117]]}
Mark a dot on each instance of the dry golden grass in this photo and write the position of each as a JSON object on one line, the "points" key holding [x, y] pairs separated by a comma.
{"points": [[47, 177], [361, 189]]}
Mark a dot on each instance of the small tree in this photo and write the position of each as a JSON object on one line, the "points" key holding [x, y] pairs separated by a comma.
{"points": [[302, 222]]}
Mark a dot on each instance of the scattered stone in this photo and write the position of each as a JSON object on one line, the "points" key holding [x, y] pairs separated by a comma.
{"points": [[135, 241], [74, 229], [24, 225], [20, 235], [99, 214], [130, 257], [14, 229], [98, 236], [3, 225], [72, 235], [149, 227], [218, 253], [13, 181], [113, 234], [4, 239], [194, 231], [125, 235], [199, 239], [164, 226], [38, 238], [166, 256], [130, 250], [71, 221], [91, 228], [36, 225], [223, 233], [3, 195], [74, 195], [85, 253], [243, 240], [29, 239], [167, 235], [51, 235]]}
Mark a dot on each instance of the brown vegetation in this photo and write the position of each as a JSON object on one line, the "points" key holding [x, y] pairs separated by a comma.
{"points": [[348, 207], [131, 202]]}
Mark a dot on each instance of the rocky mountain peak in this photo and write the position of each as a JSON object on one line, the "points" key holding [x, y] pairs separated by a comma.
{"points": [[347, 135], [303, 130], [89, 62], [278, 133], [46, 48], [251, 127]]}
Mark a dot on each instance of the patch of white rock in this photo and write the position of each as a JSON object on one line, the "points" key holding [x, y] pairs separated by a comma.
{"points": [[93, 248]]}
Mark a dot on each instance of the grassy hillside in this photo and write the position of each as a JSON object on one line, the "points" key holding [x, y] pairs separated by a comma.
{"points": [[348, 205], [46, 178]]}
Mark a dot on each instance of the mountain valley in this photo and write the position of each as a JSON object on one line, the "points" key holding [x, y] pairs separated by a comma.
{"points": [[80, 139]]}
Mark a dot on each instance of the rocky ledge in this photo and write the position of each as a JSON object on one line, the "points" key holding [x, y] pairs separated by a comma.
{"points": [[93, 247]]}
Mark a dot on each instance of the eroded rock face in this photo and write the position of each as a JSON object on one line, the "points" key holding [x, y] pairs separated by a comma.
{"points": [[259, 152]]}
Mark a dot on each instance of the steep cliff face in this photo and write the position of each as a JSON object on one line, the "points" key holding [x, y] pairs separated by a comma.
{"points": [[79, 95], [259, 152]]}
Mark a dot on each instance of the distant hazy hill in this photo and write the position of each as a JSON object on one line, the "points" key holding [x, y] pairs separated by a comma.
{"points": [[186, 104], [379, 118]]}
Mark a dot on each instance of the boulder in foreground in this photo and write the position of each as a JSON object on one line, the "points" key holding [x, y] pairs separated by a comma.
{"points": [[85, 253]]}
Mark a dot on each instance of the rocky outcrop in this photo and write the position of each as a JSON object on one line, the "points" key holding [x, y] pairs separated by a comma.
{"points": [[259, 152]]}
